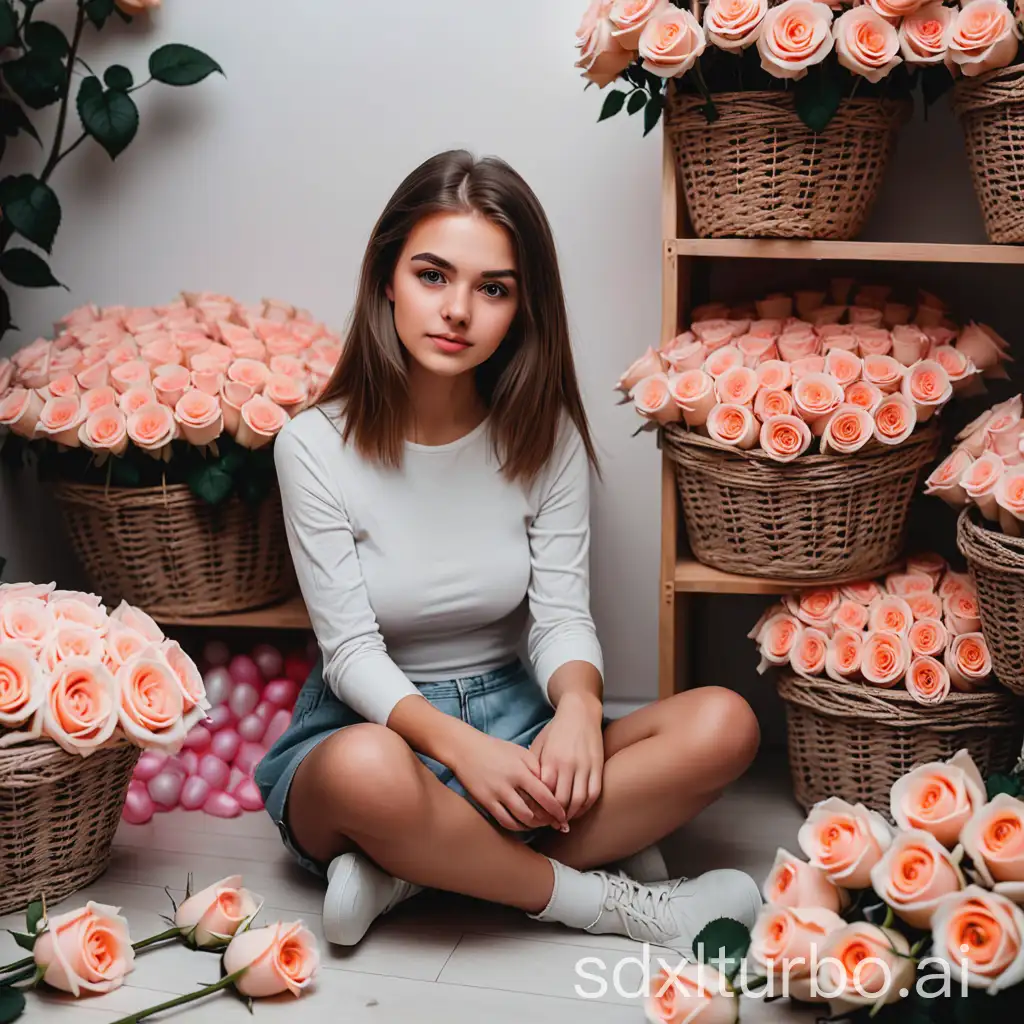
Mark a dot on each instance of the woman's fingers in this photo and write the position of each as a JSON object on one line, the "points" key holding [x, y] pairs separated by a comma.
{"points": [[533, 786], [518, 809], [578, 800]]}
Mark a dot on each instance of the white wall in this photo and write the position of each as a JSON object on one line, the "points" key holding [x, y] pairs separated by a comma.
{"points": [[268, 182]]}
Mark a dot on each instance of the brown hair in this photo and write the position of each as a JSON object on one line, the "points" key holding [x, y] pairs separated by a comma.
{"points": [[527, 384]]}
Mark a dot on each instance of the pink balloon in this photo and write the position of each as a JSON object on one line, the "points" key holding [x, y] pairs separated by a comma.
{"points": [[220, 718], [247, 793], [252, 728], [214, 770], [249, 755], [244, 670], [165, 789], [222, 805], [281, 693], [194, 793], [216, 652], [243, 700], [198, 738], [276, 729], [269, 660], [265, 711], [189, 759], [138, 807], [149, 765], [297, 667], [225, 745], [218, 683]]}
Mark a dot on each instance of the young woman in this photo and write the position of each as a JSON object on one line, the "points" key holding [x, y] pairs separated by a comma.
{"points": [[437, 506]]}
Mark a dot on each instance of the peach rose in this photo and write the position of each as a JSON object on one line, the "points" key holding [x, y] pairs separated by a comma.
{"points": [[873, 341], [59, 420], [903, 584], [801, 368], [26, 620], [161, 351], [984, 37], [671, 42], [136, 7], [851, 615], [170, 382], [972, 437], [211, 917], [816, 395], [690, 994], [647, 365], [652, 399], [844, 366], [601, 57], [928, 637], [994, 840], [19, 410], [105, 430], [68, 641], [926, 33], [80, 712], [848, 429], [122, 645], [137, 619], [980, 481], [895, 419], [890, 613], [795, 883], [927, 680], [807, 302], [199, 417], [733, 25], [774, 374], [809, 652], [864, 965], [795, 346], [733, 425], [86, 951], [915, 873], [866, 316], [894, 314], [64, 386], [232, 397], [249, 371], [132, 373], [736, 386], [22, 685], [815, 607], [98, 398], [628, 18], [756, 350], [785, 437], [690, 356], [289, 392], [962, 612], [845, 651], [885, 372], [717, 332], [290, 366], [785, 941], [794, 36], [864, 395], [944, 480], [909, 344], [777, 636], [927, 385], [135, 398], [845, 841], [863, 592], [190, 681], [885, 658], [953, 583], [969, 662], [152, 706], [867, 45], [980, 343], [280, 958], [983, 931], [261, 420], [828, 316], [939, 797], [925, 606], [1002, 433], [152, 428], [729, 357], [1009, 496], [78, 610], [693, 391], [768, 403], [928, 563], [777, 306], [893, 10]]}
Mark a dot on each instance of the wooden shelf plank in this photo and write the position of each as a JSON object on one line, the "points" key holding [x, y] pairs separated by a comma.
{"points": [[796, 249], [693, 577], [290, 614]]}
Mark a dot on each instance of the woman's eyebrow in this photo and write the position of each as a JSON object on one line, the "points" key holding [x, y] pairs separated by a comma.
{"points": [[442, 264]]}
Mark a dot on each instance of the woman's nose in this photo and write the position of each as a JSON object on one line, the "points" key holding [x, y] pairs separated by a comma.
{"points": [[456, 305]]}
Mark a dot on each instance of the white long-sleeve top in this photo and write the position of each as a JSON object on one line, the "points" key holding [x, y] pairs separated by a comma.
{"points": [[434, 571]]}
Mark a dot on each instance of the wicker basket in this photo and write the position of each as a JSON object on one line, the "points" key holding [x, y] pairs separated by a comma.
{"points": [[820, 517], [58, 816], [853, 741], [996, 562], [759, 172], [991, 111], [173, 555]]}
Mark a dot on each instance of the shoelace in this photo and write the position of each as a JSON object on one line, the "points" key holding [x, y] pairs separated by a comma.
{"points": [[644, 904]]}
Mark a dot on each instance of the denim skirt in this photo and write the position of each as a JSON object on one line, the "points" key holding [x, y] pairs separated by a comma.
{"points": [[506, 703]]}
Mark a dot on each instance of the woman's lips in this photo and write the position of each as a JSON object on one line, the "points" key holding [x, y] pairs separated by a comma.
{"points": [[448, 344]]}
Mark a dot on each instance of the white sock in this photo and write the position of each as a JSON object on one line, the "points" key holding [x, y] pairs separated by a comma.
{"points": [[577, 897]]}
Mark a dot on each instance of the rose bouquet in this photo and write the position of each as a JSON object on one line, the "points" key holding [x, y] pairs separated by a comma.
{"points": [[917, 923], [919, 628], [86, 678], [986, 467], [789, 372], [827, 51], [193, 391]]}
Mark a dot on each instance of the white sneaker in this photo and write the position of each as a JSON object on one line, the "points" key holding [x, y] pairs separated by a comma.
{"points": [[358, 892], [646, 866], [673, 914]]}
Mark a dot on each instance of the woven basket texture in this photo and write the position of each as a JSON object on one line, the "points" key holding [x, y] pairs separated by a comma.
{"points": [[171, 554], [996, 563], [819, 517], [58, 816], [759, 172], [853, 741], [991, 112]]}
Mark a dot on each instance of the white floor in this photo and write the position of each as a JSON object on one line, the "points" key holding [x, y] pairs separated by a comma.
{"points": [[438, 958]]}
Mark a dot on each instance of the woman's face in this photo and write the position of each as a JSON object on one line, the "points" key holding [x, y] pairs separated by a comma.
{"points": [[455, 292]]}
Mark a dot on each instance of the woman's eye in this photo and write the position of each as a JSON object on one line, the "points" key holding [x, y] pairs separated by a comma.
{"points": [[432, 276], [495, 291]]}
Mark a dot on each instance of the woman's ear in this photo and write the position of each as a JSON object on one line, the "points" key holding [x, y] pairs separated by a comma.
{"points": [[389, 291]]}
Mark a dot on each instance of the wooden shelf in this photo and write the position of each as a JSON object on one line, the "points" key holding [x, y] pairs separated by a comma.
{"points": [[692, 577], [785, 249], [290, 614]]}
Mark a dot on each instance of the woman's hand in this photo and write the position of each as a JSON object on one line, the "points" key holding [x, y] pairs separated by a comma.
{"points": [[505, 779], [570, 749]]}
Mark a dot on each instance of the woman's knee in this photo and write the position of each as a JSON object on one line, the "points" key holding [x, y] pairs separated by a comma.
{"points": [[719, 727]]}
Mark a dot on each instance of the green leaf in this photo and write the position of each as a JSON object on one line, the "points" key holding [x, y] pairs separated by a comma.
{"points": [[25, 941], [23, 267], [12, 1004], [722, 943], [6, 323], [42, 37], [33, 915], [652, 113], [37, 78], [655, 83], [31, 208], [177, 64], [817, 97], [124, 473], [8, 24], [117, 76], [98, 11], [210, 483], [13, 119], [996, 784], [110, 116], [636, 102], [612, 104]]}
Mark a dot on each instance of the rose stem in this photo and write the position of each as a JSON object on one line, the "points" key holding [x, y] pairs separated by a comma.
{"points": [[27, 970], [189, 997], [171, 933]]}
